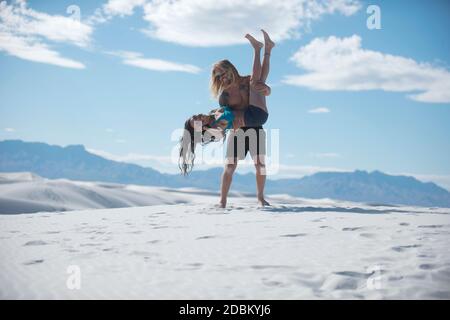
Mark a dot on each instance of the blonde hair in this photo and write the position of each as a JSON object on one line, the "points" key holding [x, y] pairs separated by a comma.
{"points": [[231, 72]]}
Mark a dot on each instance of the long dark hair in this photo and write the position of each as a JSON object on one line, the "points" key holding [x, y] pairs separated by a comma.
{"points": [[189, 141]]}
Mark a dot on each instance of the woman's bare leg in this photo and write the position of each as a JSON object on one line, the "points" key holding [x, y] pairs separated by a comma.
{"points": [[256, 98], [269, 44], [227, 177], [257, 69]]}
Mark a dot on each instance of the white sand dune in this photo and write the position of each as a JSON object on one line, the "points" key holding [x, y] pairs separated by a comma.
{"points": [[298, 249], [24, 192]]}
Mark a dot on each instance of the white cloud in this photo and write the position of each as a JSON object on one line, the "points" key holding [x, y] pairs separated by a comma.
{"points": [[121, 141], [342, 64], [135, 59], [289, 155], [23, 33], [130, 157], [33, 50], [161, 163], [220, 23], [121, 7], [10, 130], [324, 155], [319, 110], [206, 23]]}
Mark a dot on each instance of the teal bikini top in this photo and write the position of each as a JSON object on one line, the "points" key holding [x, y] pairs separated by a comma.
{"points": [[228, 116]]}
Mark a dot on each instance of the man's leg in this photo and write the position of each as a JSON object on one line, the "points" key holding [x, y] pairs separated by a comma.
{"points": [[260, 167], [257, 149]]}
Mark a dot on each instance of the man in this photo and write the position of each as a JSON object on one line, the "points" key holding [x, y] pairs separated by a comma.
{"points": [[240, 142]]}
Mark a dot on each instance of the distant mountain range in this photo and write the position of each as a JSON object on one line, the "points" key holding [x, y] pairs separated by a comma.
{"points": [[75, 163]]}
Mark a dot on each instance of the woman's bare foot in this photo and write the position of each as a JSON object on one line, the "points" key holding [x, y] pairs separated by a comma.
{"points": [[255, 43], [268, 42]]}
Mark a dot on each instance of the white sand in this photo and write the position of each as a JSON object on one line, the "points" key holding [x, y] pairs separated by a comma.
{"points": [[299, 249], [25, 192]]}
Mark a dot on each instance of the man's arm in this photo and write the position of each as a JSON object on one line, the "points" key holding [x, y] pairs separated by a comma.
{"points": [[261, 87]]}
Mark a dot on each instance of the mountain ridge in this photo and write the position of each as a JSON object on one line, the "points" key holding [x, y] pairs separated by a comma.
{"points": [[76, 163]]}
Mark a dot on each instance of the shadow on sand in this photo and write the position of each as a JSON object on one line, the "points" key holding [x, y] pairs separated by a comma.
{"points": [[295, 209]]}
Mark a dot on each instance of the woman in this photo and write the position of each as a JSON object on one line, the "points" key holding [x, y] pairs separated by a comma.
{"points": [[243, 104]]}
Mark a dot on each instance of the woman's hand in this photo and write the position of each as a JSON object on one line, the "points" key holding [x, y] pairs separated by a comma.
{"points": [[238, 119]]}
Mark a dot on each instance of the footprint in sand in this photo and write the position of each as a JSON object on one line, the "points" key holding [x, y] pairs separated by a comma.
{"points": [[352, 228], [194, 265], [427, 266], [404, 248], [353, 274], [426, 255], [271, 267], [36, 243], [294, 235], [273, 283], [90, 244], [368, 235], [205, 237], [433, 226], [33, 262]]}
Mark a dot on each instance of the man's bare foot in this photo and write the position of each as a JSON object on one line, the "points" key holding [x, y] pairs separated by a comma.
{"points": [[222, 204], [263, 203], [268, 42], [255, 43]]}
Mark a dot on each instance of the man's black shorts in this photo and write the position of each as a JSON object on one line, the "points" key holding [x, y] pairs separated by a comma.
{"points": [[244, 140]]}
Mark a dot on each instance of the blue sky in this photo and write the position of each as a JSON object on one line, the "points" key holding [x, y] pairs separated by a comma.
{"points": [[125, 76]]}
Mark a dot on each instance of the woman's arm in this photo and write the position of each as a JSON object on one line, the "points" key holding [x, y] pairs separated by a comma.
{"points": [[238, 121], [217, 133]]}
